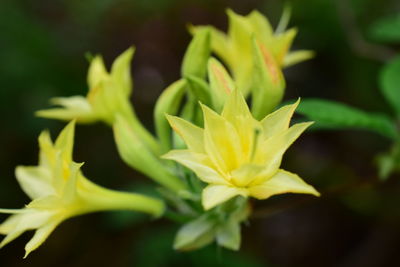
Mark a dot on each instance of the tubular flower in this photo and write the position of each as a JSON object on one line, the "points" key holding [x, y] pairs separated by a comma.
{"points": [[108, 93], [235, 47], [59, 191], [238, 155]]}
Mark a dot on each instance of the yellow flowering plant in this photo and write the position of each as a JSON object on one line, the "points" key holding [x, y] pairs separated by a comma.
{"points": [[59, 191], [210, 154], [255, 54]]}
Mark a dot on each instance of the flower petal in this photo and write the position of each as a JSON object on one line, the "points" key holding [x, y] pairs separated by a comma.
{"points": [[40, 236], [260, 25], [74, 107], [19, 223], [199, 164], [216, 194], [282, 182], [121, 71], [237, 112], [273, 148], [190, 133], [34, 181], [221, 140], [65, 142], [97, 72], [278, 121]]}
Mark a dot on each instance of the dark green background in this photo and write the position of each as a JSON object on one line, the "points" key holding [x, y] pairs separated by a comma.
{"points": [[356, 222]]}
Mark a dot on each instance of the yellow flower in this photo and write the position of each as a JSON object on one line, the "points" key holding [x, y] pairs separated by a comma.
{"points": [[108, 93], [238, 155], [59, 191], [108, 97], [236, 50]]}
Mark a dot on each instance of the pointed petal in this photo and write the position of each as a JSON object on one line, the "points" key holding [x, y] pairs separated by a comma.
{"points": [[295, 57], [97, 72], [221, 140], [240, 31], [121, 71], [71, 185], [260, 24], [65, 141], [282, 182], [244, 175], [46, 150], [281, 45], [216, 194], [10, 237], [278, 121], [40, 236], [190, 133], [19, 223], [46, 203], [221, 83], [237, 112], [198, 163], [273, 148], [236, 107], [9, 224], [219, 42], [74, 107], [34, 181]]}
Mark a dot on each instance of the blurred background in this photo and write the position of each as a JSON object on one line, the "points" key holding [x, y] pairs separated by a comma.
{"points": [[356, 222]]}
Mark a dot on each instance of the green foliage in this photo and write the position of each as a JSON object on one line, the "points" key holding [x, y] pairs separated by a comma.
{"points": [[334, 115], [390, 83], [386, 29]]}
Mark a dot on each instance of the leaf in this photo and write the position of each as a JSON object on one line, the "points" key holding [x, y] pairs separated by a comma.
{"points": [[389, 162], [195, 234], [390, 83], [334, 115], [228, 235], [386, 29]]}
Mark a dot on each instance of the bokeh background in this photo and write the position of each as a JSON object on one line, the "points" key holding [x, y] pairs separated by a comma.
{"points": [[356, 222]]}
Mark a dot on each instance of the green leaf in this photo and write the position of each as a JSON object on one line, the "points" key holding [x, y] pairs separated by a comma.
{"points": [[334, 115], [386, 30], [389, 162], [390, 83], [195, 234], [228, 235]]}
